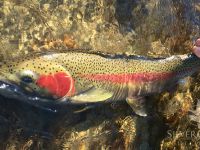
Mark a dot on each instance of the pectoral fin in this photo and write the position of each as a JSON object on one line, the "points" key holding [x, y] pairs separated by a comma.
{"points": [[138, 105], [92, 95]]}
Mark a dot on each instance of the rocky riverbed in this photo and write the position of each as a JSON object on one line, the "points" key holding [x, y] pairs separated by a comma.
{"points": [[155, 28]]}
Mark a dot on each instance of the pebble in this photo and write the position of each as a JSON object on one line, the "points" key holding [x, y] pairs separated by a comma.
{"points": [[46, 7]]}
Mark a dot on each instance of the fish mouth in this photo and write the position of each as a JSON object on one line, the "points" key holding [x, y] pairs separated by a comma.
{"points": [[9, 90], [12, 91], [13, 85]]}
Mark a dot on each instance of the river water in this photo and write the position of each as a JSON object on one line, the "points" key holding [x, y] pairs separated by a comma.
{"points": [[156, 28]]}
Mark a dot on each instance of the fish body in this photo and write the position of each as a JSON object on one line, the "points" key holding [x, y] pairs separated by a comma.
{"points": [[90, 77]]}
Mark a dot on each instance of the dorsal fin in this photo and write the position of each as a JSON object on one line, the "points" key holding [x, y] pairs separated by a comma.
{"points": [[123, 56], [87, 51]]}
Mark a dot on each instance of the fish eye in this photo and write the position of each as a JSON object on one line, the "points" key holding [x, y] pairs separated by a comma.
{"points": [[27, 79], [27, 76]]}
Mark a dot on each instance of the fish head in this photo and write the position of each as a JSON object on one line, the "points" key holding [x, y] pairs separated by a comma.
{"points": [[40, 76]]}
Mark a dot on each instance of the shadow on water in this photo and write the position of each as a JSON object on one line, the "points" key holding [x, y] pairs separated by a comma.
{"points": [[26, 120]]}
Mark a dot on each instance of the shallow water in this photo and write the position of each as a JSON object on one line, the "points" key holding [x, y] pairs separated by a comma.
{"points": [[155, 28]]}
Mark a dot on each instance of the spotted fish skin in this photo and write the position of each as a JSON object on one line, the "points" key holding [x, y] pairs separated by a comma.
{"points": [[136, 76], [89, 77], [123, 76]]}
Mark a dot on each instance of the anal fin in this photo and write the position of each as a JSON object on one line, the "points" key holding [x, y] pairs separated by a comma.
{"points": [[138, 105]]}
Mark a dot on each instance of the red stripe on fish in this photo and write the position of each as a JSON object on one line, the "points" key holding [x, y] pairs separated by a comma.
{"points": [[130, 77], [59, 84]]}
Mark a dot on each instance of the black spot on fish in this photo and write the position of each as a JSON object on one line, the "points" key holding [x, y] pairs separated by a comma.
{"points": [[11, 70]]}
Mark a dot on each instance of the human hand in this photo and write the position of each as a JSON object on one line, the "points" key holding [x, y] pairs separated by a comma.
{"points": [[196, 48]]}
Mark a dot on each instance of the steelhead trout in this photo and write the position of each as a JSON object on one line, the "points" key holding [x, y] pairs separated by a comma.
{"points": [[93, 77]]}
